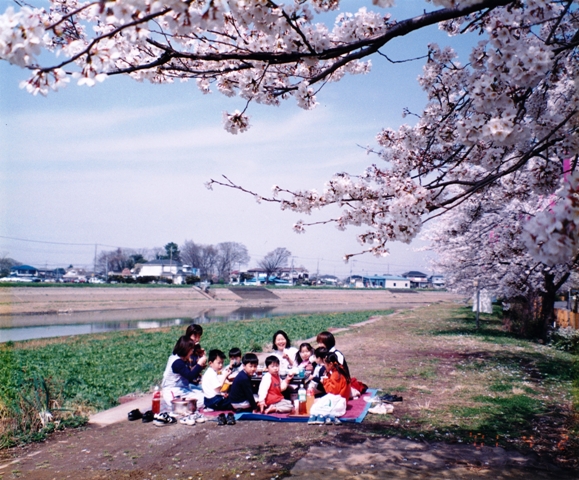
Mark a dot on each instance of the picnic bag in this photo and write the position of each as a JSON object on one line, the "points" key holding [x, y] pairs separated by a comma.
{"points": [[358, 385]]}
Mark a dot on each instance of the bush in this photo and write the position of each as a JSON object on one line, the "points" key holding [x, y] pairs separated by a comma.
{"points": [[566, 339], [147, 279], [192, 279]]}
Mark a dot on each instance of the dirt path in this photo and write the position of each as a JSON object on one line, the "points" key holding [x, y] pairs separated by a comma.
{"points": [[378, 353]]}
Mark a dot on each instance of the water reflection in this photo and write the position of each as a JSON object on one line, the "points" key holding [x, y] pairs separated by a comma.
{"points": [[49, 329]]}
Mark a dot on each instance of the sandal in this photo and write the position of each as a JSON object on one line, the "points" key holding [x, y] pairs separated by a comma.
{"points": [[231, 419], [135, 415]]}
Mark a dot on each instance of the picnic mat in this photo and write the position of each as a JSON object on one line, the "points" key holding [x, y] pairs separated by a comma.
{"points": [[355, 412]]}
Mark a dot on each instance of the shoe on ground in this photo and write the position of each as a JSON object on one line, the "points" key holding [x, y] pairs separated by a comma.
{"points": [[189, 420], [382, 409], [199, 418], [328, 421], [221, 420], [313, 420], [163, 419], [335, 421], [135, 415], [231, 419], [148, 416], [390, 398]]}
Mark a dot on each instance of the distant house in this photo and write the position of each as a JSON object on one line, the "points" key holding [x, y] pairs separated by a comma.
{"points": [[75, 275], [437, 281], [417, 279], [23, 271], [294, 274], [167, 269], [385, 281]]}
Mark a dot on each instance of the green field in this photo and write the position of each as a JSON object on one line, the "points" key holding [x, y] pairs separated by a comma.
{"points": [[75, 376]]}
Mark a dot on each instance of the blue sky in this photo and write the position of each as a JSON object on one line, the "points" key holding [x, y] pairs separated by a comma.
{"points": [[124, 164]]}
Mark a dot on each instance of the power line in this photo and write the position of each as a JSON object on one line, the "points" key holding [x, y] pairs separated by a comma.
{"points": [[42, 241], [65, 243]]}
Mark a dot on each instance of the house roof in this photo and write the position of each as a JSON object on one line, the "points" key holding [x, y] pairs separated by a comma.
{"points": [[414, 273], [164, 262], [384, 277], [21, 268]]}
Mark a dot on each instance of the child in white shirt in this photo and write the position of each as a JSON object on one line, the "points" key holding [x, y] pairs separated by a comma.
{"points": [[213, 380]]}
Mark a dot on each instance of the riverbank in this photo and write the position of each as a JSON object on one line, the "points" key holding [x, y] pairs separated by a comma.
{"points": [[477, 404], [22, 306]]}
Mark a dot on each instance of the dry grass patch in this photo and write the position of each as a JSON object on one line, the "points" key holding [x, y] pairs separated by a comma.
{"points": [[460, 384]]}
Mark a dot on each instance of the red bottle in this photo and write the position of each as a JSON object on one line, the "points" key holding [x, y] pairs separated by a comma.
{"points": [[156, 407]]}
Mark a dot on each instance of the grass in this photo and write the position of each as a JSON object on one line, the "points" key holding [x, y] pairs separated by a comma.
{"points": [[472, 386], [74, 376]]}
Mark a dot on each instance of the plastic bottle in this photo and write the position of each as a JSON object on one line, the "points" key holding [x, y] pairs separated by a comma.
{"points": [[310, 398], [302, 398], [156, 407]]}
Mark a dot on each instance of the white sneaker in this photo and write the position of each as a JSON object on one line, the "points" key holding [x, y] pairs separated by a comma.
{"points": [[199, 418], [163, 419], [382, 409], [188, 420]]}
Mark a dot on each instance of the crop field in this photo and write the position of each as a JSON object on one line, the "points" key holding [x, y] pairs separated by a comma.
{"points": [[75, 376]]}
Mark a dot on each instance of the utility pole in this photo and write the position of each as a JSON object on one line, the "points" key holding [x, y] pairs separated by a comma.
{"points": [[94, 265]]}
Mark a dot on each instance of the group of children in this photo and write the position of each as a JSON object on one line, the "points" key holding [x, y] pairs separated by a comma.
{"points": [[230, 388]]}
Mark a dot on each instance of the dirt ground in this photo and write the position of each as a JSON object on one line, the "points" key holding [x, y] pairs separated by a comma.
{"points": [[267, 450]]}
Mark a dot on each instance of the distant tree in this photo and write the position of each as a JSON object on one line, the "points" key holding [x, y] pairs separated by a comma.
{"points": [[229, 255], [172, 252], [191, 253], [203, 257], [113, 260], [6, 263], [208, 261], [136, 258], [275, 260]]}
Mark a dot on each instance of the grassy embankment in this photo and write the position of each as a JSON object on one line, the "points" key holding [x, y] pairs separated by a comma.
{"points": [[74, 376], [477, 387]]}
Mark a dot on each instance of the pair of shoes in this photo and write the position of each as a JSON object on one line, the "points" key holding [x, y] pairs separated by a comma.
{"points": [[135, 415], [382, 409], [316, 420], [390, 398], [148, 416], [223, 420], [162, 419], [188, 420], [198, 417]]}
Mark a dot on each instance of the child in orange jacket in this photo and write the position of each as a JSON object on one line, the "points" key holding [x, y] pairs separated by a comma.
{"points": [[337, 380], [328, 408]]}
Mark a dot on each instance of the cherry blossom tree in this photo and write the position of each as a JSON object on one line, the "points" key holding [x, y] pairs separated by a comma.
{"points": [[485, 241], [507, 114]]}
